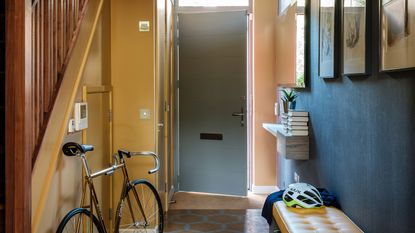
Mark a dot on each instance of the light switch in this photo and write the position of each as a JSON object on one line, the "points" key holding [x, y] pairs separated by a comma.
{"points": [[145, 114], [71, 126], [276, 109]]}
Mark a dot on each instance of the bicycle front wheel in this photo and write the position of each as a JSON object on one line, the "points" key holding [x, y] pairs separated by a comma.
{"points": [[80, 220], [140, 209]]}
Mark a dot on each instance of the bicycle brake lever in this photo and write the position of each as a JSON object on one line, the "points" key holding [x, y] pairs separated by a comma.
{"points": [[124, 152], [116, 161]]}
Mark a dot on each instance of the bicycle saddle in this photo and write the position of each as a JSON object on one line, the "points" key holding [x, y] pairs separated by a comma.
{"points": [[73, 148]]}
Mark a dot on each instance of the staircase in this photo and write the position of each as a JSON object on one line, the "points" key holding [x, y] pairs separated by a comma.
{"points": [[2, 113], [43, 55]]}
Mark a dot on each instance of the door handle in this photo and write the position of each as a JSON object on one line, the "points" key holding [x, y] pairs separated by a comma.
{"points": [[159, 126], [240, 114]]}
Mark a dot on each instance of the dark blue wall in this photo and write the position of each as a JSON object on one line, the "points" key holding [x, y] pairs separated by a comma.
{"points": [[362, 141]]}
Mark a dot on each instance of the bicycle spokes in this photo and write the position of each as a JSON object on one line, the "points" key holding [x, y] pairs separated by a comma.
{"points": [[140, 212]]}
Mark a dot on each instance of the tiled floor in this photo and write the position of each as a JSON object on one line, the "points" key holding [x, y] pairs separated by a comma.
{"points": [[201, 212], [192, 200], [215, 221]]}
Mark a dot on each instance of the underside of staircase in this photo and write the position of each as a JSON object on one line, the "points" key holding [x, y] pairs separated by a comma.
{"points": [[41, 36]]}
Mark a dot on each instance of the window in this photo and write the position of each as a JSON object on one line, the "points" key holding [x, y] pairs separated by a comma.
{"points": [[300, 44], [212, 3]]}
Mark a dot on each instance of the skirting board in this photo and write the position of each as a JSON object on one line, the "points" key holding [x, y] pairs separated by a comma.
{"points": [[264, 189]]}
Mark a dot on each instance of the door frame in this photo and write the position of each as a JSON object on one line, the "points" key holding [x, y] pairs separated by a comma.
{"points": [[86, 90], [249, 87]]}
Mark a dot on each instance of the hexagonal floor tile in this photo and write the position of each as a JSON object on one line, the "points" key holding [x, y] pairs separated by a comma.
{"points": [[187, 218], [207, 212], [240, 227], [205, 227], [174, 227], [224, 219]]}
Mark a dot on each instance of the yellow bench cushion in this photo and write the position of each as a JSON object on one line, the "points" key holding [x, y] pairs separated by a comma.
{"points": [[324, 220]]}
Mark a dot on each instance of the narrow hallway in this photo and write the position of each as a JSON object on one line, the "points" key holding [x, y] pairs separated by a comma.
{"points": [[199, 212]]}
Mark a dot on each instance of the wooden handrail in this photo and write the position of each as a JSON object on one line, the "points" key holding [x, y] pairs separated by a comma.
{"points": [[55, 28]]}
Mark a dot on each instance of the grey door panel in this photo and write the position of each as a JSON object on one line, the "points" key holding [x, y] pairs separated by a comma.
{"points": [[212, 73]]}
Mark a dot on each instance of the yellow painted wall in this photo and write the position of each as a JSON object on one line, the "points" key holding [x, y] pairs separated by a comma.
{"points": [[132, 73], [64, 193], [138, 77], [65, 187], [123, 57], [98, 69], [264, 145]]}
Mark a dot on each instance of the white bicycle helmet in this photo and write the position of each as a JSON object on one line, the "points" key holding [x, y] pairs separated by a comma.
{"points": [[302, 195]]}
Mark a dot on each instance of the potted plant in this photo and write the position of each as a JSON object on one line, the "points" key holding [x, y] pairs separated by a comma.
{"points": [[289, 99]]}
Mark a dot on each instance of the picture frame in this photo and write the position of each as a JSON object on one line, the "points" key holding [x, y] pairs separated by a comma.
{"points": [[356, 37], [302, 60], [397, 35], [328, 38]]}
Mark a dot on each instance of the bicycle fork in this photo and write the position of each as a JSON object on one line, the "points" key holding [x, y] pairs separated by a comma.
{"points": [[124, 193]]}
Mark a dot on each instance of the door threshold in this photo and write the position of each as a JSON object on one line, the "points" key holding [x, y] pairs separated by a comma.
{"points": [[212, 194]]}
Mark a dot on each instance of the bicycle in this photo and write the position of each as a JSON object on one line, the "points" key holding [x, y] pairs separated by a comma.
{"points": [[139, 208]]}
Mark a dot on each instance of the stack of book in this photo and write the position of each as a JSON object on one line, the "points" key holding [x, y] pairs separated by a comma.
{"points": [[295, 122]]}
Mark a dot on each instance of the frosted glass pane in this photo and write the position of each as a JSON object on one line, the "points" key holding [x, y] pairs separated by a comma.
{"points": [[213, 2]]}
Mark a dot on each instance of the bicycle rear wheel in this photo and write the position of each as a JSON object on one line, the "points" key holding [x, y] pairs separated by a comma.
{"points": [[140, 209], [79, 221]]}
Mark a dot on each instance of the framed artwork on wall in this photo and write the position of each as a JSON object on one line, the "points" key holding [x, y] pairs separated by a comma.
{"points": [[356, 37], [328, 38], [397, 35]]}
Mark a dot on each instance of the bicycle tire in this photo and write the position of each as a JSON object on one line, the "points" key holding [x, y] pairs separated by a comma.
{"points": [[69, 222], [151, 205]]}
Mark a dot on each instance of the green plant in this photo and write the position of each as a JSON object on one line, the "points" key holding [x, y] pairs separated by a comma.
{"points": [[289, 95], [300, 80]]}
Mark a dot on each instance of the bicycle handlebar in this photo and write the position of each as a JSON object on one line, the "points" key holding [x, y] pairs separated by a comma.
{"points": [[110, 170], [149, 153]]}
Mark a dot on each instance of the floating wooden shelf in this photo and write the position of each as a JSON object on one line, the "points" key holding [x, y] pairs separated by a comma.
{"points": [[288, 146]]}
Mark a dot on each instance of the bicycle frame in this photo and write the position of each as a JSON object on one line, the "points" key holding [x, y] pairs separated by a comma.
{"points": [[93, 200]]}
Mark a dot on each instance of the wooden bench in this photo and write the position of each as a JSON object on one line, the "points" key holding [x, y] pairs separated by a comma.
{"points": [[321, 220]]}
